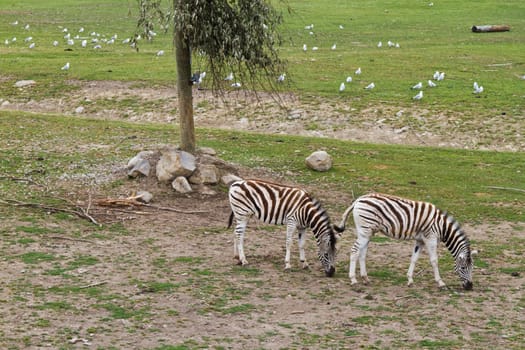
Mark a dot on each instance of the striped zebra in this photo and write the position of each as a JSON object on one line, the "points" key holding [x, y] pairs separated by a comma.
{"points": [[283, 205], [406, 219]]}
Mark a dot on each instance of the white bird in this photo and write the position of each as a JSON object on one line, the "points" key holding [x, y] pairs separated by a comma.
{"points": [[358, 71], [419, 96], [64, 30], [418, 86], [6, 41], [397, 46], [84, 43], [431, 84], [65, 67], [475, 85], [14, 39], [77, 37], [81, 30], [28, 39], [310, 27], [348, 79], [431, 4], [478, 89], [55, 43], [67, 36], [341, 27], [305, 47], [32, 46], [342, 87], [160, 53], [96, 47], [70, 42], [315, 48], [15, 23], [380, 44], [436, 75], [236, 85], [441, 76], [126, 41], [201, 77], [229, 77], [334, 46], [370, 86], [26, 27], [311, 33], [390, 44], [281, 78]]}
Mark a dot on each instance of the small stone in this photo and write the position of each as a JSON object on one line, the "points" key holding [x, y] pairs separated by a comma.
{"points": [[228, 179], [144, 196], [24, 83], [79, 110], [181, 185], [208, 150]]}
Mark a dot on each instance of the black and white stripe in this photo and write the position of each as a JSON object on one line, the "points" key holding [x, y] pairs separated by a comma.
{"points": [[282, 205], [407, 219]]}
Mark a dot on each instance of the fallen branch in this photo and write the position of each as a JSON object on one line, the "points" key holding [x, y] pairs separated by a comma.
{"points": [[71, 239], [21, 179], [506, 188], [132, 201], [96, 284], [491, 28], [78, 212]]}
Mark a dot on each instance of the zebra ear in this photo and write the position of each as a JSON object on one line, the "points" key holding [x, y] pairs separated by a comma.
{"points": [[338, 230]]}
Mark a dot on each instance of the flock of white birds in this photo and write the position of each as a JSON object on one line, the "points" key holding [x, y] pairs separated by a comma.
{"points": [[69, 38], [96, 40], [438, 76]]}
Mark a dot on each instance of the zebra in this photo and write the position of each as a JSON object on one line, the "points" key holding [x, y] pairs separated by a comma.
{"points": [[407, 219], [283, 205]]}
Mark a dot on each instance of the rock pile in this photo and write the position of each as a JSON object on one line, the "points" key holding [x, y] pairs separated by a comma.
{"points": [[183, 170]]}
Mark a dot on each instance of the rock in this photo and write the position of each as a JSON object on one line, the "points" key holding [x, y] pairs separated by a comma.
{"points": [[208, 150], [141, 167], [175, 163], [205, 174], [24, 83], [144, 196], [181, 185], [228, 179], [319, 161], [5, 103], [79, 110]]}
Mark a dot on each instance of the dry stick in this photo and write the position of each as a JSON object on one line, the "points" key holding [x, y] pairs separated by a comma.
{"points": [[506, 188], [96, 284], [20, 179], [132, 201], [72, 239]]}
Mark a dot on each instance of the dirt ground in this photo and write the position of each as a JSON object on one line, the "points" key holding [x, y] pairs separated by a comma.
{"points": [[167, 280]]}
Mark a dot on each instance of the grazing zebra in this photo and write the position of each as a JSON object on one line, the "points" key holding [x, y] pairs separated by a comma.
{"points": [[406, 219], [283, 205]]}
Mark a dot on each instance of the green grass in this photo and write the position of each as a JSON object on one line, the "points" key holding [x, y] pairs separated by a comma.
{"points": [[455, 180], [431, 38]]}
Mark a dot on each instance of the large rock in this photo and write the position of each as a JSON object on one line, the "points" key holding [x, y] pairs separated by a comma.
{"points": [[139, 165], [319, 161], [175, 163], [205, 174]]}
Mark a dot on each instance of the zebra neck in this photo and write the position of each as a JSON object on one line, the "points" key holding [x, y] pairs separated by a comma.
{"points": [[455, 240]]}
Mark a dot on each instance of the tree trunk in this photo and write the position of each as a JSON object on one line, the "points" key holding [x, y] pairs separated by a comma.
{"points": [[184, 86]]}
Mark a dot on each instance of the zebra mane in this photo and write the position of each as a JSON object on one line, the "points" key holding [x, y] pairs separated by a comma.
{"points": [[456, 230]]}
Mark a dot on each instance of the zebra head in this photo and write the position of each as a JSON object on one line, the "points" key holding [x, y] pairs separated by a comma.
{"points": [[327, 251], [463, 268]]}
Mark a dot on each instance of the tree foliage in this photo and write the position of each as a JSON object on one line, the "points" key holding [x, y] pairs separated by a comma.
{"points": [[224, 36]]}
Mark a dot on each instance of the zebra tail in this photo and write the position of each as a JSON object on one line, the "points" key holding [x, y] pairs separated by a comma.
{"points": [[347, 212], [230, 220]]}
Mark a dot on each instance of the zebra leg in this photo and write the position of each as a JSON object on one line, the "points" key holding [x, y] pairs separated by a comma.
{"points": [[290, 229], [432, 252], [238, 248], [302, 241], [358, 251], [415, 256]]}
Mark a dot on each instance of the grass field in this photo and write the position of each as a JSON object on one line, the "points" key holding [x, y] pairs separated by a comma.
{"points": [[165, 281]]}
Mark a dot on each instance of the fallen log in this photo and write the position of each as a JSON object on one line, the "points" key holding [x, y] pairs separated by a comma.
{"points": [[491, 28]]}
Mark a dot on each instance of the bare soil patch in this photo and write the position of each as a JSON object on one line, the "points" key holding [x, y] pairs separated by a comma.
{"points": [[152, 279]]}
